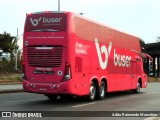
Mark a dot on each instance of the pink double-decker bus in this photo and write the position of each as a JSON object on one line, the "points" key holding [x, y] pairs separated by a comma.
{"points": [[67, 54]]}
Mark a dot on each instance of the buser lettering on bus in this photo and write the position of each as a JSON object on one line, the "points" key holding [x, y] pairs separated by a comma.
{"points": [[121, 60], [51, 20]]}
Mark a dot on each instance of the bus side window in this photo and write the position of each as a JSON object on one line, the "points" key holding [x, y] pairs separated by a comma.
{"points": [[145, 64]]}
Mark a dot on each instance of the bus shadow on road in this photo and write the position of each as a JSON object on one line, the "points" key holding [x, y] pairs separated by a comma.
{"points": [[80, 100], [122, 94]]}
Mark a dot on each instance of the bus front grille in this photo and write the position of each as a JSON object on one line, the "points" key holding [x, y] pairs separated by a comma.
{"points": [[45, 56]]}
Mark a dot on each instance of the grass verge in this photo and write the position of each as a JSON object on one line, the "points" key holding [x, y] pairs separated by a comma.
{"points": [[10, 78]]}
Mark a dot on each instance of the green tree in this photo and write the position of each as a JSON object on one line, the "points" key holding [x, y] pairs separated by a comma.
{"points": [[8, 44], [158, 38]]}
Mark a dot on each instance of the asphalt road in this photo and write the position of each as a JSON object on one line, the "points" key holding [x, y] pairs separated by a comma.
{"points": [[147, 100]]}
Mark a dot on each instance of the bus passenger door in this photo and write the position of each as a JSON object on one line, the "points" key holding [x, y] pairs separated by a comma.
{"points": [[136, 71], [133, 75], [86, 74], [82, 70]]}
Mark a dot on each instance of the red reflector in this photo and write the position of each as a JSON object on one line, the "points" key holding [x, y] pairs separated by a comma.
{"points": [[23, 63]]}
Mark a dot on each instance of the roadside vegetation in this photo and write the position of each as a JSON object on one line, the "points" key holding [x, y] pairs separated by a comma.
{"points": [[10, 78], [153, 79], [8, 72], [8, 47]]}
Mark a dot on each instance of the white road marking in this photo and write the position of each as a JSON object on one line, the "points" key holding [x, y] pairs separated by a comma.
{"points": [[26, 100], [153, 118], [81, 105], [92, 103], [151, 92]]}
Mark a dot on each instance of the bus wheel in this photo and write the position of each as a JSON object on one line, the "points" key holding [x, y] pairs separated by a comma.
{"points": [[51, 97], [138, 89], [92, 93], [102, 91], [66, 97]]}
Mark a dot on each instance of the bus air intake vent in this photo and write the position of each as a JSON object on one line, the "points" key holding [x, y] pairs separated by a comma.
{"points": [[45, 56]]}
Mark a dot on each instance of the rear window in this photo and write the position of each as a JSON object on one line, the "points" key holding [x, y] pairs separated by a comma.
{"points": [[46, 22]]}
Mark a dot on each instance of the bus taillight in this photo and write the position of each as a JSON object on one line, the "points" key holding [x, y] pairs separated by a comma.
{"points": [[23, 71], [67, 72]]}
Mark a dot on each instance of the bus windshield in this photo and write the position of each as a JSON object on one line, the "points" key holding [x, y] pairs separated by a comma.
{"points": [[50, 22]]}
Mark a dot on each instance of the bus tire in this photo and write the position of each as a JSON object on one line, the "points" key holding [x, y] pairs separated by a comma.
{"points": [[51, 97], [92, 92], [102, 91], [66, 97], [138, 89]]}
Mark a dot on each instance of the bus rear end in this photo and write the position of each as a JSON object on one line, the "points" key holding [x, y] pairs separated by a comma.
{"points": [[45, 67]]}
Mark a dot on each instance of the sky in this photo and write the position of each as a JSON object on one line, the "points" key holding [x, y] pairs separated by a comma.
{"points": [[137, 17]]}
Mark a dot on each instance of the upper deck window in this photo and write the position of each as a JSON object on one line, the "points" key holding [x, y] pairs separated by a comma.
{"points": [[46, 22]]}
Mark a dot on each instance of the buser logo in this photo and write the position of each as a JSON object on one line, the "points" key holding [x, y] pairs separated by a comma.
{"points": [[119, 59], [35, 22], [103, 50]]}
